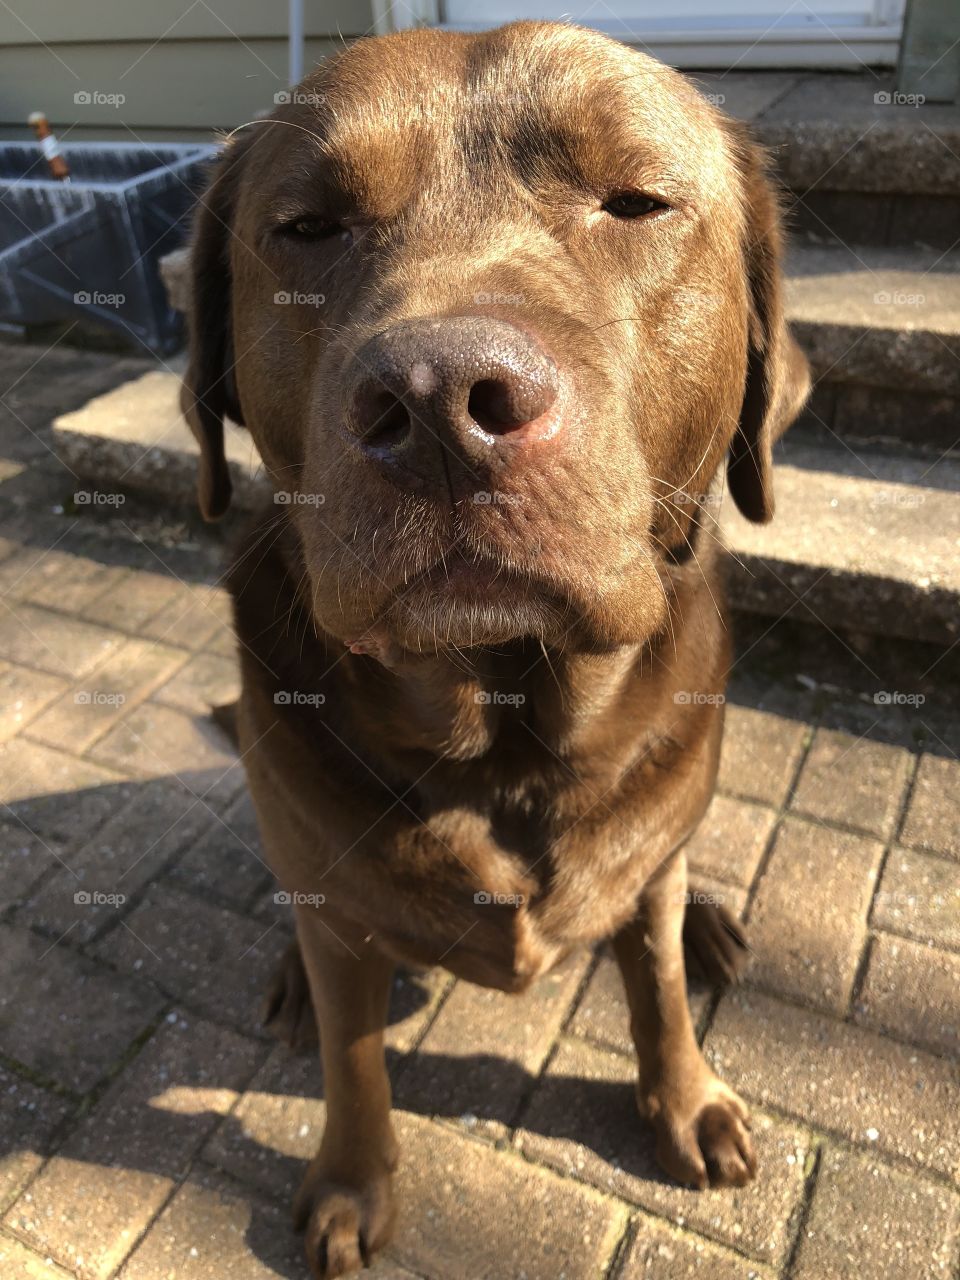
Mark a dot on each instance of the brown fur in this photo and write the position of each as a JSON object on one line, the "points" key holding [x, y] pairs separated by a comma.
{"points": [[511, 718]]}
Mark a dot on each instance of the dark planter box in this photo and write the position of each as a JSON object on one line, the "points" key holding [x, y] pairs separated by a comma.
{"points": [[87, 250]]}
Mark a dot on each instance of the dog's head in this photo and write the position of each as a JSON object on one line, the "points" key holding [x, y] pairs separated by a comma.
{"points": [[495, 309]]}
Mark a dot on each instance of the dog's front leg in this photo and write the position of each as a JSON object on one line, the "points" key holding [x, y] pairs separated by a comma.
{"points": [[700, 1123], [345, 1202]]}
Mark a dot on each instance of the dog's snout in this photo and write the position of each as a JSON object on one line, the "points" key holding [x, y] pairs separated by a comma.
{"points": [[427, 389]]}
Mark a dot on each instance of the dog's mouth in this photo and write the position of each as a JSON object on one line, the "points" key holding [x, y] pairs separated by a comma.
{"points": [[463, 601], [479, 578], [460, 576]]}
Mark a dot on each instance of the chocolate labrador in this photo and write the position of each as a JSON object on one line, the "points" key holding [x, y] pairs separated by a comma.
{"points": [[496, 310]]}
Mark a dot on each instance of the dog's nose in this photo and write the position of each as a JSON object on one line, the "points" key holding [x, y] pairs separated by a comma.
{"points": [[430, 391]]}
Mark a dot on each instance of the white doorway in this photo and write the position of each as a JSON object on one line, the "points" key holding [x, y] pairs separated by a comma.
{"points": [[698, 33]]}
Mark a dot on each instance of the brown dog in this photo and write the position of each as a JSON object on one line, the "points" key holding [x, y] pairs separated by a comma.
{"points": [[495, 309]]}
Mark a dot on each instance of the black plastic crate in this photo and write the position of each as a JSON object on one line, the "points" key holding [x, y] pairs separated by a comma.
{"points": [[87, 250]]}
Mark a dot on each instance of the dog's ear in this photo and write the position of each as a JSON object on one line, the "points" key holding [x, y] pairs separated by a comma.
{"points": [[778, 378], [209, 388]]}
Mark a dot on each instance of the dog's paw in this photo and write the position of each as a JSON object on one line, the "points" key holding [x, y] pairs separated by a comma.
{"points": [[714, 943], [344, 1226], [703, 1133], [288, 1010]]}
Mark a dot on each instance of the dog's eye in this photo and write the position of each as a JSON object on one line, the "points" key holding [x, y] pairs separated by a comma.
{"points": [[633, 204], [312, 228]]}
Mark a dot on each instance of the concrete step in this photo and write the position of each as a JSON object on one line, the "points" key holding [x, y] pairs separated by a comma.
{"points": [[867, 540], [864, 165], [135, 437], [882, 330]]}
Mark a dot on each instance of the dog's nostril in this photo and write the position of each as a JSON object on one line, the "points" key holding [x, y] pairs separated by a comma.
{"points": [[387, 419], [500, 406]]}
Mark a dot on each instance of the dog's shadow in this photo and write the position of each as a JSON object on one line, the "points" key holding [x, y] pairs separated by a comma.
{"points": [[577, 1124], [247, 1170], [564, 1121]]}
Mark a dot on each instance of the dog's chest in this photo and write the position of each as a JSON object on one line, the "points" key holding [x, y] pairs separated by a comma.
{"points": [[477, 898]]}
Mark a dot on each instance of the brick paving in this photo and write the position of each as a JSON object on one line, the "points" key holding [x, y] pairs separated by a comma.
{"points": [[150, 1129]]}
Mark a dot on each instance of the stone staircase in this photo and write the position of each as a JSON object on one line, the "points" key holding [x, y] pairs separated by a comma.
{"points": [[867, 534], [881, 328], [862, 167]]}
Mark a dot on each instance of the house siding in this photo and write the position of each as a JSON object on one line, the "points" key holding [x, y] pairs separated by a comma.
{"points": [[163, 69]]}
